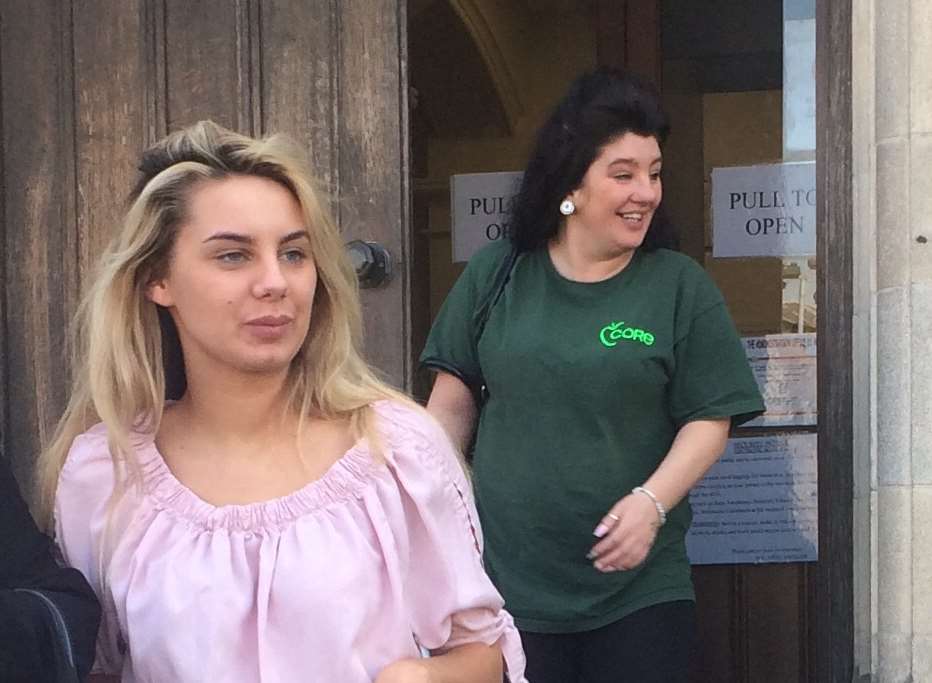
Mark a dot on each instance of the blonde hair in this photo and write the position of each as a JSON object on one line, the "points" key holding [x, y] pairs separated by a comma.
{"points": [[127, 357]]}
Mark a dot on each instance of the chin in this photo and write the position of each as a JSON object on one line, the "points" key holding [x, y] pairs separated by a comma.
{"points": [[630, 245], [267, 365], [638, 238], [630, 238]]}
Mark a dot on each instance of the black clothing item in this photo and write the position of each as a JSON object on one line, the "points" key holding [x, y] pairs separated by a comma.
{"points": [[48, 614], [651, 645]]}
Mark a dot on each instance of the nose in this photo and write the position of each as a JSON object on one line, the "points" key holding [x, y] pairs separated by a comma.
{"points": [[646, 190], [270, 281]]}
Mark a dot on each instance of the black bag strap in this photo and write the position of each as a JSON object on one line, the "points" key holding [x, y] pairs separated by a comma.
{"points": [[484, 309], [502, 276]]}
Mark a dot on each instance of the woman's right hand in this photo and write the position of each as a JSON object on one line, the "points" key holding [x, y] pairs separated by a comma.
{"points": [[627, 533]]}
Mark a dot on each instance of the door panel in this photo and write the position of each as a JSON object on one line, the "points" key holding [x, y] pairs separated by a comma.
{"points": [[110, 130], [87, 85], [38, 221], [207, 63], [299, 79], [373, 164]]}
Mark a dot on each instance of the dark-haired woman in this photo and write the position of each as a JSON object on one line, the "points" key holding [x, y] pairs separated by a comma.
{"points": [[610, 373]]}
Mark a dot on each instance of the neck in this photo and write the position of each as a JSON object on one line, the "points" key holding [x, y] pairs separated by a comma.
{"points": [[236, 406], [576, 258]]}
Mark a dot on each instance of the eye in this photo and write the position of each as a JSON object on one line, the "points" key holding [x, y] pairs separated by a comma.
{"points": [[231, 257], [622, 176], [655, 175], [294, 256]]}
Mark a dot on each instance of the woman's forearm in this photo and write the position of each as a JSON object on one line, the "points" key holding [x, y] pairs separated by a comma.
{"points": [[697, 446], [452, 405], [470, 663], [627, 531]]}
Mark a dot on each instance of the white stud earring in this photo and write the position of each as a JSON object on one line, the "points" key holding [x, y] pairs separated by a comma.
{"points": [[567, 207]]}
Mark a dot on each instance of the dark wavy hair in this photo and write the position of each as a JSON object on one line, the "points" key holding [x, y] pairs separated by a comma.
{"points": [[599, 106]]}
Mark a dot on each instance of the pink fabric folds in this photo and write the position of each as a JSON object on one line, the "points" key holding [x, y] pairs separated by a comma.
{"points": [[330, 583]]}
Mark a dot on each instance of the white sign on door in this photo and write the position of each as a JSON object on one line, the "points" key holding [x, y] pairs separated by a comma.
{"points": [[767, 210], [481, 203], [784, 366], [759, 503]]}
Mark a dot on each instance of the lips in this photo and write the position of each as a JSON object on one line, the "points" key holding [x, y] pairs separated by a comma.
{"points": [[271, 320], [634, 218], [269, 327]]}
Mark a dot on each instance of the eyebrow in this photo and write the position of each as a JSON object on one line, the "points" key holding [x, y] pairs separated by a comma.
{"points": [[247, 239], [633, 162]]}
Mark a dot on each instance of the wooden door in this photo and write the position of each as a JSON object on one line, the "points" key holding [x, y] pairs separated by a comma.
{"points": [[85, 85], [756, 622]]}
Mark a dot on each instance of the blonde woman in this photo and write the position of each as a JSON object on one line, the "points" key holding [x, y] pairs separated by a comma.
{"points": [[248, 500]]}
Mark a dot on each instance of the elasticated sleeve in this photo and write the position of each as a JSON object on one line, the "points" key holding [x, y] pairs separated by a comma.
{"points": [[81, 511], [450, 597]]}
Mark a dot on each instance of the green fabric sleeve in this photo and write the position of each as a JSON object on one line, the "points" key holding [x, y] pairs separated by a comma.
{"points": [[712, 378], [452, 343]]}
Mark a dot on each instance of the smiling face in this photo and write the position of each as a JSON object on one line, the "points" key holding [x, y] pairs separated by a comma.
{"points": [[241, 279], [618, 195]]}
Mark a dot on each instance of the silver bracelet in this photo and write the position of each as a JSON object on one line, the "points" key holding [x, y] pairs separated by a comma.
{"points": [[661, 510]]}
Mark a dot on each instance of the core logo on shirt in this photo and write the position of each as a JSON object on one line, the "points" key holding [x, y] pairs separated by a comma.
{"points": [[611, 333]]}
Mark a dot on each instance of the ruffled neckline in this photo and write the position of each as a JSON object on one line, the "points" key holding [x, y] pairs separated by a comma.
{"points": [[344, 480]]}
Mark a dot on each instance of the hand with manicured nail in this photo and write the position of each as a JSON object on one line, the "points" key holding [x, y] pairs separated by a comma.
{"points": [[627, 533]]}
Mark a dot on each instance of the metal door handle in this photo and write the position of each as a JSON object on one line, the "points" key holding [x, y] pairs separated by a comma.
{"points": [[371, 261]]}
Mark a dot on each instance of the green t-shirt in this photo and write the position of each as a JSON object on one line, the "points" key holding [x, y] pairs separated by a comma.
{"points": [[587, 385]]}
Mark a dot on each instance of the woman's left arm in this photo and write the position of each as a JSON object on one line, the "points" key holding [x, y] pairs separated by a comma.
{"points": [[628, 530], [453, 608], [470, 663]]}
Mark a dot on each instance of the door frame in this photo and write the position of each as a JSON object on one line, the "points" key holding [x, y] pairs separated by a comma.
{"points": [[833, 603]]}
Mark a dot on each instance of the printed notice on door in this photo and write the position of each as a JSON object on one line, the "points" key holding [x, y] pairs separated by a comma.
{"points": [[764, 210], [758, 504], [784, 366], [481, 204]]}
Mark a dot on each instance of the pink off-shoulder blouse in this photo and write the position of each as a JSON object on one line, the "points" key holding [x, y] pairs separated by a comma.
{"points": [[366, 565]]}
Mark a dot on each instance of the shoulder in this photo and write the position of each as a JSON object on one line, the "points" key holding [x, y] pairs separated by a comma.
{"points": [[416, 442], [401, 421], [487, 260], [89, 448], [89, 466], [674, 262], [472, 285], [493, 252], [87, 475], [683, 277], [422, 459]]}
